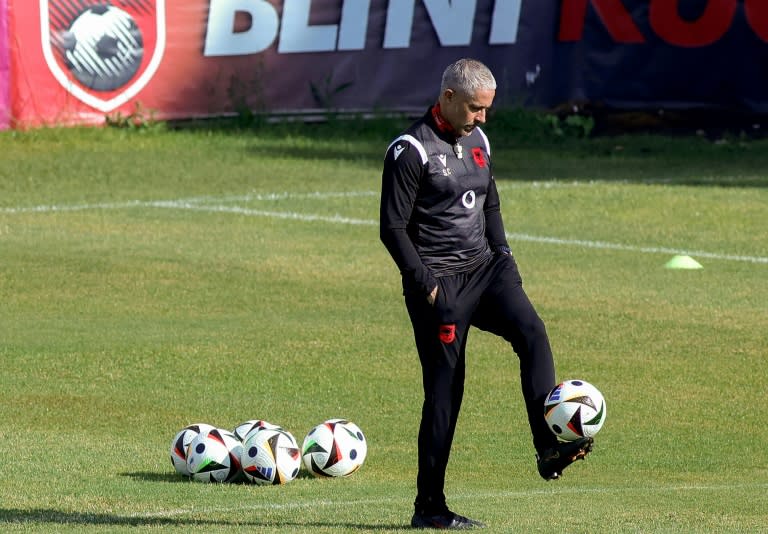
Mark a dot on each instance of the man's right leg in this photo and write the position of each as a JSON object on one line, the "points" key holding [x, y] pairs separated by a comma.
{"points": [[442, 364]]}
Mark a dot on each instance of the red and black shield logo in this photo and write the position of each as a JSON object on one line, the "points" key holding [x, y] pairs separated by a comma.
{"points": [[477, 155], [103, 52], [447, 333]]}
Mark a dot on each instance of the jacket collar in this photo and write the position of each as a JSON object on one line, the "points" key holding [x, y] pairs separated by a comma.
{"points": [[442, 125]]}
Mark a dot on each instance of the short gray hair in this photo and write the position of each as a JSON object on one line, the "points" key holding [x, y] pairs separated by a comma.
{"points": [[467, 76]]}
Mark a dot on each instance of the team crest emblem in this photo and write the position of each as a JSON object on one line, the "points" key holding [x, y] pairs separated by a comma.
{"points": [[103, 52]]}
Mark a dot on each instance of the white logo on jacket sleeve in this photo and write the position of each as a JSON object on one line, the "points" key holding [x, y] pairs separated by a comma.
{"points": [[398, 150], [468, 199]]}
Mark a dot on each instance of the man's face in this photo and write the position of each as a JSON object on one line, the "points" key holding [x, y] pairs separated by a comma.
{"points": [[465, 112]]}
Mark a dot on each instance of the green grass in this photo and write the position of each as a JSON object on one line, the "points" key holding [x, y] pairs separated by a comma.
{"points": [[153, 279]]}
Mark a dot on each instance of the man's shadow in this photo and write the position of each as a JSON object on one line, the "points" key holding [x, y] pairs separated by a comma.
{"points": [[60, 517]]}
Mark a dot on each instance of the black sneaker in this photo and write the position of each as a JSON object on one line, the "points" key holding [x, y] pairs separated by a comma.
{"points": [[552, 461], [447, 520]]}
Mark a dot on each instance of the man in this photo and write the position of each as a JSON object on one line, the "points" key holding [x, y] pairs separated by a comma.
{"points": [[441, 222]]}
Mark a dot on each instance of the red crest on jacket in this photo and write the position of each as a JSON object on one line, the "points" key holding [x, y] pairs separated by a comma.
{"points": [[477, 155]]}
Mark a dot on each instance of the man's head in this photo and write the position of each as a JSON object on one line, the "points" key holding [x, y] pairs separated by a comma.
{"points": [[466, 93]]}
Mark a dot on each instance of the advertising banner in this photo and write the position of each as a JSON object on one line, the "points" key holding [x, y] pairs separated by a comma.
{"points": [[5, 66], [657, 54], [77, 61], [211, 57]]}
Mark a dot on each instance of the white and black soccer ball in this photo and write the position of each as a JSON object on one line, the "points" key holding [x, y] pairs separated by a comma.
{"points": [[270, 456], [215, 457], [334, 448], [180, 444], [575, 409], [103, 47], [242, 430]]}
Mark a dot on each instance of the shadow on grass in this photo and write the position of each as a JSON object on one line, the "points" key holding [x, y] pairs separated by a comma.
{"points": [[58, 517], [526, 149], [151, 476], [39, 516]]}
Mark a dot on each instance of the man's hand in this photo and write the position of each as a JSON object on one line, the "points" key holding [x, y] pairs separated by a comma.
{"points": [[432, 297]]}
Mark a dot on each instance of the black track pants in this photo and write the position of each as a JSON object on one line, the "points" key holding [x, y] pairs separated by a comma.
{"points": [[490, 298]]}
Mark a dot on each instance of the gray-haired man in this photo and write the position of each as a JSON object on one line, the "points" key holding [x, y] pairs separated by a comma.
{"points": [[441, 222]]}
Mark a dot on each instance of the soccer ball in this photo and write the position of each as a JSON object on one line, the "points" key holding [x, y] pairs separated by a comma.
{"points": [[180, 444], [575, 409], [103, 47], [335, 448], [215, 457], [242, 430], [270, 456]]}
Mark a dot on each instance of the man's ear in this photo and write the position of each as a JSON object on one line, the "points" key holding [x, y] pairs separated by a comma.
{"points": [[448, 95]]}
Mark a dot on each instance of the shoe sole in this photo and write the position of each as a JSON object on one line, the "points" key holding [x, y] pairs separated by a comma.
{"points": [[424, 523]]}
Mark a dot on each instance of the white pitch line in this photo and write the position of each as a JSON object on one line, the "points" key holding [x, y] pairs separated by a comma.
{"points": [[465, 496], [286, 195], [340, 219], [632, 248], [186, 202], [197, 204], [513, 236], [54, 208]]}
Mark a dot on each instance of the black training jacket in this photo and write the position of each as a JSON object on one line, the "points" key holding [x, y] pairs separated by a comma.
{"points": [[439, 212]]}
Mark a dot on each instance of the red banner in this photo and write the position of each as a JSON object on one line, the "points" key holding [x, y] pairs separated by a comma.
{"points": [[5, 67], [74, 64]]}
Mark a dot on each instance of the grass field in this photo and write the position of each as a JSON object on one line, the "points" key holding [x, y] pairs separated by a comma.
{"points": [[152, 279]]}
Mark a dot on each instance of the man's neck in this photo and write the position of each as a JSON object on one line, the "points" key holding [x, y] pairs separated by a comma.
{"points": [[443, 126]]}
